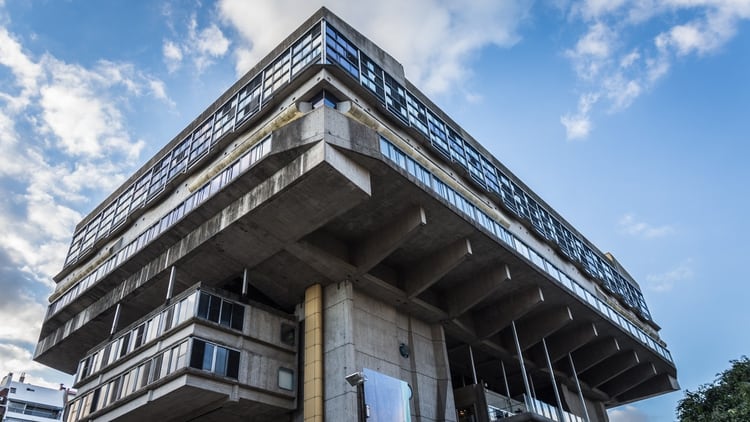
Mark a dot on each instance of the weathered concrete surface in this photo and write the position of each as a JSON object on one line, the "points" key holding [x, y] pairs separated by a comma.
{"points": [[277, 211]]}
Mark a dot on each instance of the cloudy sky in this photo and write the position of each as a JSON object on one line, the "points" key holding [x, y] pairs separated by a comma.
{"points": [[630, 117]]}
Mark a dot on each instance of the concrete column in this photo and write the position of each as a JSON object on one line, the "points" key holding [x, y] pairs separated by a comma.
{"points": [[313, 386]]}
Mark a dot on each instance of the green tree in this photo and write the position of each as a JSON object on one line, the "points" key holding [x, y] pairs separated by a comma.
{"points": [[727, 399]]}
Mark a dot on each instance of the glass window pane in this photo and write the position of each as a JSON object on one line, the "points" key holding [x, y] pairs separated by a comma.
{"points": [[220, 367], [226, 314], [208, 356], [238, 316], [233, 364], [286, 379], [196, 356]]}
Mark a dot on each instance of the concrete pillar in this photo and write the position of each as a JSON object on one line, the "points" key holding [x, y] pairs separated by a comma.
{"points": [[313, 386], [340, 398]]}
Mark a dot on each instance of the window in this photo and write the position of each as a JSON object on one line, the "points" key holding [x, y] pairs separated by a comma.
{"points": [[324, 98], [139, 336], [286, 379], [248, 100], [372, 77], [124, 345], [395, 98], [276, 75], [306, 50], [340, 51], [222, 312], [178, 357], [213, 358]]}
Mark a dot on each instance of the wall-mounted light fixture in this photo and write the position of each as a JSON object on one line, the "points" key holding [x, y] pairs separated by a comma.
{"points": [[355, 379]]}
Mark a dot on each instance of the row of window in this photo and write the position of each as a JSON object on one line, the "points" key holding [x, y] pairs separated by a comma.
{"points": [[209, 307], [193, 352], [447, 141], [168, 220], [130, 381], [32, 409], [474, 213], [549, 411], [241, 106]]}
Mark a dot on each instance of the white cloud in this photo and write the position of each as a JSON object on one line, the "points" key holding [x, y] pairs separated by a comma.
{"points": [[212, 41], [578, 125], [172, 55], [628, 224], [621, 91], [64, 140], [591, 9], [201, 46], [627, 413], [434, 40], [614, 59], [630, 58], [17, 360], [22, 321], [73, 144], [664, 282], [25, 70], [596, 43]]}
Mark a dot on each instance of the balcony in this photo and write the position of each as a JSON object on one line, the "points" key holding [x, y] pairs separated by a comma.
{"points": [[227, 356], [499, 407]]}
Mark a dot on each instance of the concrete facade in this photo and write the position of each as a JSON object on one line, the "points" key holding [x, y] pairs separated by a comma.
{"points": [[308, 231]]}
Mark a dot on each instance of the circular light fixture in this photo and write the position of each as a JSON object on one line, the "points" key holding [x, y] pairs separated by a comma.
{"points": [[403, 349]]}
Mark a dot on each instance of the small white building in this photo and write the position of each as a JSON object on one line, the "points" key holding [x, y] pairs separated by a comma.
{"points": [[22, 402]]}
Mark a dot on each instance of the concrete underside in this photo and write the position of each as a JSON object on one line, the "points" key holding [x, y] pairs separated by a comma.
{"points": [[194, 398]]}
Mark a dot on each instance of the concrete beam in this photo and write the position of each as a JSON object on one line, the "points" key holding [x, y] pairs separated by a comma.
{"points": [[321, 260], [560, 344], [461, 328], [590, 355], [378, 245], [629, 379], [474, 291], [660, 384], [429, 270], [610, 368], [533, 329], [492, 319]]}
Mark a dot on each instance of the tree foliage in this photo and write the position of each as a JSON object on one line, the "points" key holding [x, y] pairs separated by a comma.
{"points": [[727, 399]]}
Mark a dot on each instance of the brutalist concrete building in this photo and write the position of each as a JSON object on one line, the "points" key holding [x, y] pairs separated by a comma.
{"points": [[324, 243]]}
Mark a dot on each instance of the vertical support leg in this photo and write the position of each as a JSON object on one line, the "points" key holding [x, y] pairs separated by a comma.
{"points": [[554, 382], [529, 404], [313, 386], [578, 386]]}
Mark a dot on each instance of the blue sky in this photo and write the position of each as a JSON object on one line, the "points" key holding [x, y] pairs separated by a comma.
{"points": [[630, 117]]}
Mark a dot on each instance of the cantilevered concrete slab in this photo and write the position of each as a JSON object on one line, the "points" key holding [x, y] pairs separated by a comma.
{"points": [[649, 388], [372, 249], [475, 289], [610, 368], [590, 355], [429, 270], [533, 329], [493, 319], [566, 341], [629, 379]]}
